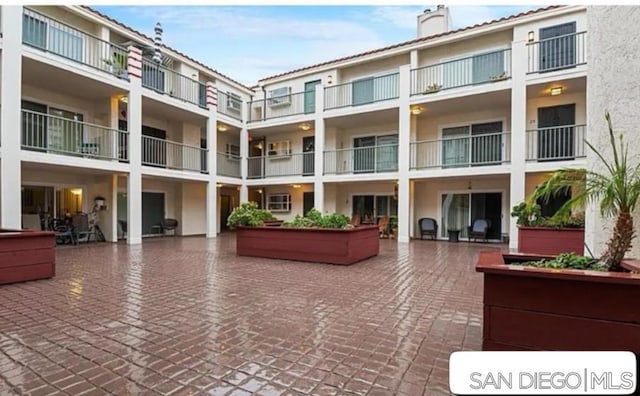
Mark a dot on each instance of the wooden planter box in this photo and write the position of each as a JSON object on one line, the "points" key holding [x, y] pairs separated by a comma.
{"points": [[527, 308], [26, 255], [550, 241], [309, 244]]}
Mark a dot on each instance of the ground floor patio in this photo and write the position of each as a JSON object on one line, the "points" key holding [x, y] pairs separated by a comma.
{"points": [[186, 316]]}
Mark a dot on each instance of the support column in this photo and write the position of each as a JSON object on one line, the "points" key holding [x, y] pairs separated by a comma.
{"points": [[404, 136], [10, 166], [318, 155], [518, 131], [212, 164], [244, 168], [113, 201], [134, 123]]}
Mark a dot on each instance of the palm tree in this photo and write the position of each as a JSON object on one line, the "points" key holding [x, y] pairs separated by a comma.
{"points": [[616, 188]]}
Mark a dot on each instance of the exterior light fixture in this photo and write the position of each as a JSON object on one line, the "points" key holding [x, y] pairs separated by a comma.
{"points": [[305, 126], [416, 110], [556, 91], [124, 99], [329, 79], [222, 128], [296, 186], [530, 37], [219, 185]]}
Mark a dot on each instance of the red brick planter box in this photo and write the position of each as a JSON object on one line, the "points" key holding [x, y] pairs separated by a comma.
{"points": [[551, 241], [309, 244], [527, 308], [26, 255]]}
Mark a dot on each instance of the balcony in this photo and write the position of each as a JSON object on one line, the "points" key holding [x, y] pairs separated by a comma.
{"points": [[51, 134], [166, 81], [558, 143], [479, 150], [372, 159], [469, 71], [52, 36], [557, 53], [282, 106], [167, 154], [294, 164], [228, 165], [361, 92], [230, 105]]}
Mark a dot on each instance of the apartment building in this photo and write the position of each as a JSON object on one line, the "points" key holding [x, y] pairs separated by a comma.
{"points": [[453, 125]]}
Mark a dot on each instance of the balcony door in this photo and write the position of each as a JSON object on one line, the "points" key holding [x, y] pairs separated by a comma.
{"points": [[362, 91], [486, 143], [152, 211], [34, 125], [486, 66], [556, 137], [557, 47], [310, 96], [364, 157], [459, 210], [154, 151], [308, 162], [455, 146]]}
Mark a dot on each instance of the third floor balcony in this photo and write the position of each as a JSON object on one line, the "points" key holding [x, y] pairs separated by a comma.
{"points": [[280, 165], [165, 81], [362, 91]]}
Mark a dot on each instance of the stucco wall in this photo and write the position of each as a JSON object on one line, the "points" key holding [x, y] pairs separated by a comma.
{"points": [[613, 86]]}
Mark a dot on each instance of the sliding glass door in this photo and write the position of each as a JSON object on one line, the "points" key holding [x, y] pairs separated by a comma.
{"points": [[459, 210]]}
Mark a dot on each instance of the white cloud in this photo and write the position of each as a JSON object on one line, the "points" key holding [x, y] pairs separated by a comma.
{"points": [[463, 16], [399, 17]]}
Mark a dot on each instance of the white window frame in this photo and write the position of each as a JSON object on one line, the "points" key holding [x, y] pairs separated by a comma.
{"points": [[279, 97], [279, 207], [234, 102]]}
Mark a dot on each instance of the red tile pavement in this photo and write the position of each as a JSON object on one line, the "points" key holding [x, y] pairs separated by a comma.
{"points": [[186, 316]]}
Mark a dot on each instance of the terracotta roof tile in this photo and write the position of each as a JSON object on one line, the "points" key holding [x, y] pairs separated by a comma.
{"points": [[405, 43]]}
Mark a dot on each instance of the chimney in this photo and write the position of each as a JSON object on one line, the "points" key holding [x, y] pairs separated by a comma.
{"points": [[434, 22]]}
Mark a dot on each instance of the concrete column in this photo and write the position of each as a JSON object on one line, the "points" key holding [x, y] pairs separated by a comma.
{"points": [[404, 137], [113, 124], [244, 154], [10, 167], [413, 59], [518, 131], [212, 164], [113, 201], [319, 141], [134, 123]]}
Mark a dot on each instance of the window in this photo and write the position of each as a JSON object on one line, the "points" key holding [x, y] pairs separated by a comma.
{"points": [[279, 202], [234, 102], [233, 151], [476, 144], [280, 97], [279, 149], [557, 48]]}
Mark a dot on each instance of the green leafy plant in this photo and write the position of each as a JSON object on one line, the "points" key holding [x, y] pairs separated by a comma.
{"points": [[616, 189], [315, 219], [570, 261], [248, 215], [529, 214]]}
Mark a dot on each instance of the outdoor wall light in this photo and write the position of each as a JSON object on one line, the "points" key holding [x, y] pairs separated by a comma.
{"points": [[556, 91], [124, 99], [222, 128], [296, 186], [329, 79], [530, 37], [305, 126], [219, 185], [416, 110]]}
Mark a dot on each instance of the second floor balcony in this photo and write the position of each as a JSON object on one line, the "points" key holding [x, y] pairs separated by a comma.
{"points": [[468, 71], [362, 91], [557, 143], [47, 133], [169, 82], [162, 153], [370, 159], [479, 150], [282, 105], [564, 49], [292, 164], [228, 164], [55, 37]]}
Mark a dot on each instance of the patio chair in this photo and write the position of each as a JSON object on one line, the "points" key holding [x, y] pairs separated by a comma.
{"points": [[355, 220], [479, 229], [81, 229], [169, 225], [429, 227], [64, 232], [383, 227]]}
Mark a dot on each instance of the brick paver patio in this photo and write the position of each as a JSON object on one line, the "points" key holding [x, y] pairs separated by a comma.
{"points": [[186, 316]]}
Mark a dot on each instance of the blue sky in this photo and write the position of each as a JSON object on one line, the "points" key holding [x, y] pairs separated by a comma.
{"points": [[252, 42]]}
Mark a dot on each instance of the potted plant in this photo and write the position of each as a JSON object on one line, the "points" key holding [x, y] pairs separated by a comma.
{"points": [[499, 77], [117, 65], [570, 302], [433, 88], [313, 237]]}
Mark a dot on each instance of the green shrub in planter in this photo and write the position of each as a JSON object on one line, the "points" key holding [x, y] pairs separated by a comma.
{"points": [[315, 219], [248, 215]]}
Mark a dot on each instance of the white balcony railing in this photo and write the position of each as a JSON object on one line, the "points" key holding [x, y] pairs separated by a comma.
{"points": [[173, 155], [362, 91], [229, 105], [294, 164], [282, 106], [473, 70], [478, 150], [172, 83], [373, 159], [557, 53], [47, 133], [228, 165], [558, 143], [47, 34]]}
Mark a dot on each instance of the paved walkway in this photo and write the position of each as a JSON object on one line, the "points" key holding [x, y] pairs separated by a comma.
{"points": [[186, 316]]}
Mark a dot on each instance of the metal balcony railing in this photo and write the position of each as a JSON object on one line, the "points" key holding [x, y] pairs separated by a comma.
{"points": [[373, 159], [557, 53], [282, 106], [47, 133], [473, 70], [477, 150], [362, 91], [230, 105], [294, 164], [558, 143], [172, 83], [173, 155], [228, 165], [47, 34]]}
